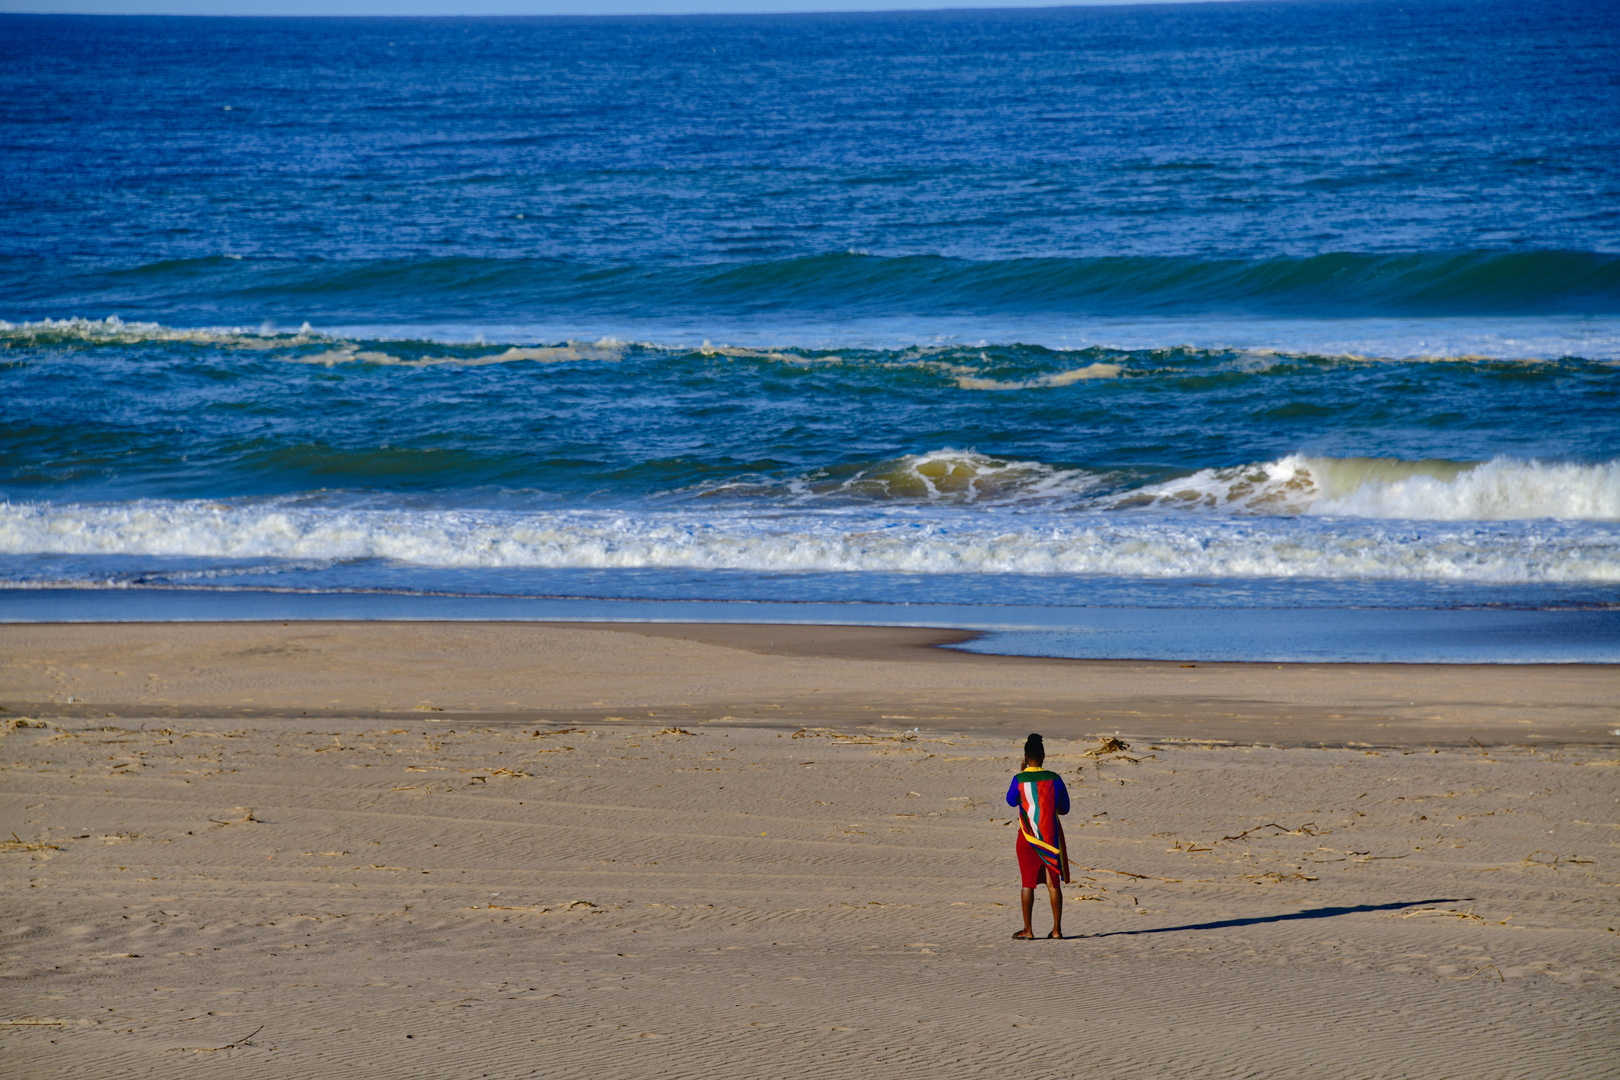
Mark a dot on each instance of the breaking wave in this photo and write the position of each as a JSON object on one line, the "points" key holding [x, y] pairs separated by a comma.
{"points": [[946, 476], [1502, 489], [1498, 490], [891, 540]]}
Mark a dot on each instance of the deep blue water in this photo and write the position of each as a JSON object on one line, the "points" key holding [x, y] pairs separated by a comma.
{"points": [[1265, 306]]}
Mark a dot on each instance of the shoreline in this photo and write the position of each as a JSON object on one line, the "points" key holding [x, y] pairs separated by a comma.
{"points": [[779, 676], [1508, 636]]}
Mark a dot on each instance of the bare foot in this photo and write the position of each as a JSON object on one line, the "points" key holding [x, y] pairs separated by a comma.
{"points": [[1025, 935], [1055, 934]]}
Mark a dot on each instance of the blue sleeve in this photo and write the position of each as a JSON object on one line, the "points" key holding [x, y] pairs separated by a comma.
{"points": [[1062, 796], [1012, 792]]}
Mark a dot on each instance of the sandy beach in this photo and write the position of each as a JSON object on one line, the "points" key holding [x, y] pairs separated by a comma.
{"points": [[1225, 392], [499, 850]]}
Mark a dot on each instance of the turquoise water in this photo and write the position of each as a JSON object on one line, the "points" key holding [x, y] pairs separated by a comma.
{"points": [[1245, 307]]}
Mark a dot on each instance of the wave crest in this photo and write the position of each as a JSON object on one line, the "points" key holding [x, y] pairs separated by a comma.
{"points": [[295, 346], [939, 477], [947, 541], [115, 331], [1502, 489], [1331, 284]]}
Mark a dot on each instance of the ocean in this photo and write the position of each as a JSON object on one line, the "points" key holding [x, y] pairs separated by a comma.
{"points": [[1251, 331]]}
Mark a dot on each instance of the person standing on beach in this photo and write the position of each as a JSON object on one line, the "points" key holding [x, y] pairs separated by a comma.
{"points": [[1042, 855]]}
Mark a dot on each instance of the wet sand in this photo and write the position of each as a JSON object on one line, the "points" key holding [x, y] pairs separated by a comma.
{"points": [[518, 672], [527, 850]]}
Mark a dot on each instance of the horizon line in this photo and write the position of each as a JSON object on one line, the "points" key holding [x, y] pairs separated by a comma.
{"points": [[637, 9]]}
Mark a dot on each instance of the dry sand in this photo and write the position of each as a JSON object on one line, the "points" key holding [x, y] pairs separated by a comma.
{"points": [[470, 849]]}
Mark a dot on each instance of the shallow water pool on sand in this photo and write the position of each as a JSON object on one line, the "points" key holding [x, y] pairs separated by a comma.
{"points": [[1372, 635]]}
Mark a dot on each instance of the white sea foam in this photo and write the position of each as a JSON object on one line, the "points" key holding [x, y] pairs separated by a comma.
{"points": [[941, 541], [336, 350], [1531, 337], [1498, 490], [1060, 378], [1502, 489], [113, 330], [1255, 344], [1381, 488], [548, 354]]}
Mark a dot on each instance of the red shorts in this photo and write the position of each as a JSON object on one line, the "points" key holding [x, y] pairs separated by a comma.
{"points": [[1030, 866]]}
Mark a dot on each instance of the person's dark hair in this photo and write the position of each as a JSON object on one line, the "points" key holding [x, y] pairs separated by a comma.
{"points": [[1034, 749]]}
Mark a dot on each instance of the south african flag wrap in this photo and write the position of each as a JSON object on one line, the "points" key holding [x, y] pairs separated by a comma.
{"points": [[1038, 819]]}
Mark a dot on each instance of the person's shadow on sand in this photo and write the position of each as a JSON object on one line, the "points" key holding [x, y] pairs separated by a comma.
{"points": [[1308, 913]]}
